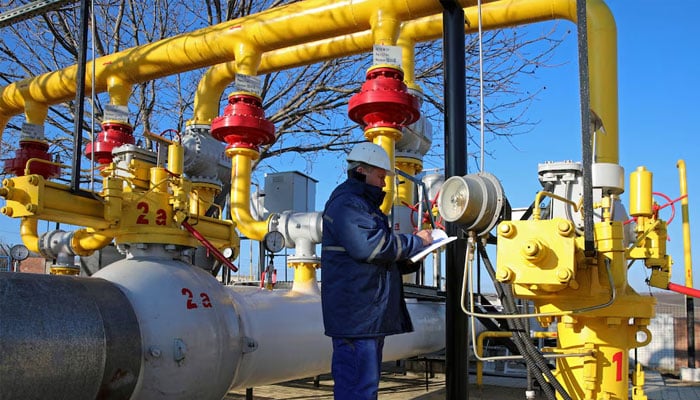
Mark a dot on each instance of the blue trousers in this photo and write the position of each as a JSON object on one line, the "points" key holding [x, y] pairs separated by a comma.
{"points": [[356, 367]]}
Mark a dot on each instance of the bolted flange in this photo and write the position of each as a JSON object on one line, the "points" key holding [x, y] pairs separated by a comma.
{"points": [[384, 100], [114, 134], [243, 123], [29, 149]]}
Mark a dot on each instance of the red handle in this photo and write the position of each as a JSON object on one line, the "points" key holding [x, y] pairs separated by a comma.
{"points": [[684, 290], [209, 246]]}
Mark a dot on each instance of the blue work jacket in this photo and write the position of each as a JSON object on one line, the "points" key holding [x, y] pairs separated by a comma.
{"points": [[362, 260]]}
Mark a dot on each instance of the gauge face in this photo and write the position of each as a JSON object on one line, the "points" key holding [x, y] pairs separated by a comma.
{"points": [[19, 252], [273, 241]]}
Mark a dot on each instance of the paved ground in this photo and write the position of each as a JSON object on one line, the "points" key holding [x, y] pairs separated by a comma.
{"points": [[411, 386]]}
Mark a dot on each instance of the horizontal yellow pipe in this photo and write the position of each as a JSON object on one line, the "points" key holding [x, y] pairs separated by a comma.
{"points": [[602, 55], [272, 29]]}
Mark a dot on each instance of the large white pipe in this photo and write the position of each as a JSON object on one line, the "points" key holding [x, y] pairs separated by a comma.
{"points": [[200, 338]]}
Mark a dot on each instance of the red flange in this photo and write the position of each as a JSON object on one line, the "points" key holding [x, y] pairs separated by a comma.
{"points": [[32, 149], [384, 101], [114, 134], [243, 123]]}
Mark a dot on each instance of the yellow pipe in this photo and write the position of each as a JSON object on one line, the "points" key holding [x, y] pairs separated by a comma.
{"points": [[385, 28], [408, 60], [687, 258], [602, 62], [386, 138], [241, 169], [405, 187], [300, 22], [29, 233], [480, 352], [119, 91], [85, 241]]}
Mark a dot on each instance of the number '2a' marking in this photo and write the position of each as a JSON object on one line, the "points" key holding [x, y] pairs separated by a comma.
{"points": [[142, 219]]}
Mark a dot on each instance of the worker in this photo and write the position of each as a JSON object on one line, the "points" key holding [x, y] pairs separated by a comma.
{"points": [[362, 261]]}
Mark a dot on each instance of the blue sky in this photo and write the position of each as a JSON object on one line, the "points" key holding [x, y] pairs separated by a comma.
{"points": [[659, 91]]}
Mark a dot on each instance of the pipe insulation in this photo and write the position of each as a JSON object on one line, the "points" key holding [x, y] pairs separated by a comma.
{"points": [[66, 337], [154, 327]]}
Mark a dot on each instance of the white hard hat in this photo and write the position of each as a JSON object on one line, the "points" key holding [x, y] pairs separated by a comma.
{"points": [[371, 154]]}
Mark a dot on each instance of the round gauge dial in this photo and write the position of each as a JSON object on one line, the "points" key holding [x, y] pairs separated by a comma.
{"points": [[19, 252], [273, 241]]}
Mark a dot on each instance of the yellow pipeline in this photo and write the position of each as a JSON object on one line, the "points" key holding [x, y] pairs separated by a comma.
{"points": [[29, 233], [480, 351], [386, 138], [602, 62], [301, 23], [85, 241], [241, 162], [119, 91], [687, 258], [404, 191], [496, 15]]}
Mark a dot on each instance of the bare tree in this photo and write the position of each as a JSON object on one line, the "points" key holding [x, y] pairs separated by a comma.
{"points": [[307, 104]]}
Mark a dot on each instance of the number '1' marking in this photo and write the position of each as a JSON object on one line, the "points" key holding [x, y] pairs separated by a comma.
{"points": [[617, 359]]}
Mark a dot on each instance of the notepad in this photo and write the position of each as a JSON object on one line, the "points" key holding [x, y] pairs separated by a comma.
{"points": [[440, 239]]}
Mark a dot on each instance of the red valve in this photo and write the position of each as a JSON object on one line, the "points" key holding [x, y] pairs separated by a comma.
{"points": [[384, 101], [114, 134], [243, 123], [29, 149]]}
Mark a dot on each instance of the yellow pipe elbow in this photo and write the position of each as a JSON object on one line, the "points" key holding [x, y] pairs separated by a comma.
{"points": [[29, 233], [241, 162], [85, 241], [209, 91]]}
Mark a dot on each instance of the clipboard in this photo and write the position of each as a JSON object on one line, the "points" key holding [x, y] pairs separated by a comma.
{"points": [[440, 239]]}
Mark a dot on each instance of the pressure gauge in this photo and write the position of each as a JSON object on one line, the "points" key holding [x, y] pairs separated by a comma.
{"points": [[19, 252], [273, 241]]}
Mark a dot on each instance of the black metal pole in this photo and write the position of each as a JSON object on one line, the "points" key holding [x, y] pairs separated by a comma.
{"points": [[80, 96], [690, 317], [456, 361], [586, 134]]}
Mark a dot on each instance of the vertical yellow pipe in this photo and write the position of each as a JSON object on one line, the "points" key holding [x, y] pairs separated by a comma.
{"points": [[602, 59], [386, 138], [241, 167], [405, 187], [35, 113], [687, 258], [119, 91]]}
